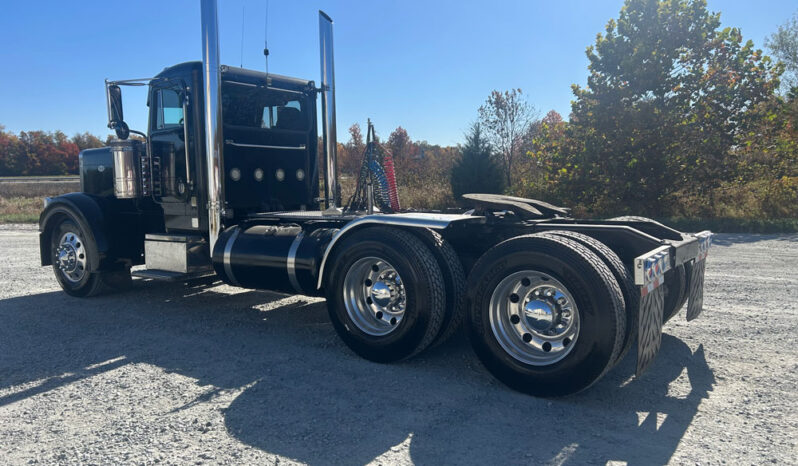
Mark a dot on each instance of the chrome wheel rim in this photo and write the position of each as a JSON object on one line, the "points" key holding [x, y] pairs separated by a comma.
{"points": [[374, 296], [534, 318], [70, 257]]}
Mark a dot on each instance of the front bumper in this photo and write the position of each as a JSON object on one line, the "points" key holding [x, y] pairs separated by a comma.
{"points": [[649, 273]]}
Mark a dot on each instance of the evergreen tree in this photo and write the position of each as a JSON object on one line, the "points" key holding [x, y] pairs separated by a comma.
{"points": [[476, 171]]}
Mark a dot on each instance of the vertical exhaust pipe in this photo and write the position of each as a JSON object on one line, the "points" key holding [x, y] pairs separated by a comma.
{"points": [[329, 133], [213, 117]]}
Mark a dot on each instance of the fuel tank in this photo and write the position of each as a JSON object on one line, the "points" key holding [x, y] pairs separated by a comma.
{"points": [[281, 258]]}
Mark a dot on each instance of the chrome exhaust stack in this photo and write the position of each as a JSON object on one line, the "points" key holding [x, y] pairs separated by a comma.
{"points": [[212, 80], [329, 134]]}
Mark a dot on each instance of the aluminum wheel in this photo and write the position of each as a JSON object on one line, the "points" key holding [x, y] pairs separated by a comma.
{"points": [[374, 296], [70, 257], [534, 318]]}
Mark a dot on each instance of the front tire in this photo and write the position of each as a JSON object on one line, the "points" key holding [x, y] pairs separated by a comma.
{"points": [[385, 295], [73, 250], [546, 315]]}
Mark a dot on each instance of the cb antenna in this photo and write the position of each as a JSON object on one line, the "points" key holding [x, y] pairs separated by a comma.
{"points": [[243, 15], [266, 37]]}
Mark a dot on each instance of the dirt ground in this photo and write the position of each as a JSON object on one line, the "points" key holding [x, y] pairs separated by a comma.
{"points": [[170, 373]]}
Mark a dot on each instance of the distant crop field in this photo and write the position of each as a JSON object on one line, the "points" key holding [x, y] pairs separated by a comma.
{"points": [[22, 199]]}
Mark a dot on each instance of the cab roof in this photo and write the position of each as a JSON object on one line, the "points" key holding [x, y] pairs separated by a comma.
{"points": [[242, 75]]}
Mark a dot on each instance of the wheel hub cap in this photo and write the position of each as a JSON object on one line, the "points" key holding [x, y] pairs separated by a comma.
{"points": [[70, 257], [381, 294], [540, 315], [374, 296], [534, 317]]}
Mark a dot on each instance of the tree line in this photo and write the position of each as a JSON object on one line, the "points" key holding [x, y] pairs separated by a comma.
{"points": [[679, 117], [42, 153]]}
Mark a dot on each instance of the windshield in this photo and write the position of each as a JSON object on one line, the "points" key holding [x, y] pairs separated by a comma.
{"points": [[256, 107]]}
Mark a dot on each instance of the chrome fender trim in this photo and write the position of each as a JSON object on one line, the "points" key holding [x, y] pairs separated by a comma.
{"points": [[411, 219]]}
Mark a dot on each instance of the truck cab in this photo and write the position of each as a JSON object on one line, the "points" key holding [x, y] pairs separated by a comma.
{"points": [[270, 154]]}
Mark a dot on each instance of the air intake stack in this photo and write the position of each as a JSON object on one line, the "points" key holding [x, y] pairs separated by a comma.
{"points": [[329, 135], [213, 117]]}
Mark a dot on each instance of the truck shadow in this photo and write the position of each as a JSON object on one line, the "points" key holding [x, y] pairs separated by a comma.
{"points": [[307, 397]]}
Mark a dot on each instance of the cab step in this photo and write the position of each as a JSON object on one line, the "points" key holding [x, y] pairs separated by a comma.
{"points": [[167, 276]]}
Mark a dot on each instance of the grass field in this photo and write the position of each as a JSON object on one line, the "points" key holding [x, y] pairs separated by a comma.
{"points": [[22, 200]]}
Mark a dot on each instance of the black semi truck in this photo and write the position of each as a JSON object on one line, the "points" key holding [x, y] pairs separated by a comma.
{"points": [[226, 181]]}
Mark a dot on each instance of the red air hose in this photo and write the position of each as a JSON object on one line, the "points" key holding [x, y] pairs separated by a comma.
{"points": [[393, 194]]}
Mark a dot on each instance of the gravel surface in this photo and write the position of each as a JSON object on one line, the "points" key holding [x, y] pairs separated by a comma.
{"points": [[173, 373]]}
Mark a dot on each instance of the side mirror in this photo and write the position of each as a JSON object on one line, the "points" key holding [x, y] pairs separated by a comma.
{"points": [[116, 118]]}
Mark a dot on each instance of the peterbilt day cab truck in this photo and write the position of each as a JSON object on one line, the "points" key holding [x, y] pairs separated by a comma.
{"points": [[225, 182]]}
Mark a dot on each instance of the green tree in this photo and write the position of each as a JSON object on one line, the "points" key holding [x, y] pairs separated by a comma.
{"points": [[666, 100], [784, 45], [476, 171], [87, 140]]}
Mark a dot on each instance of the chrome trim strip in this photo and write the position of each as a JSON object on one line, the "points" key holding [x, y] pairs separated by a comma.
{"points": [[415, 219], [271, 88], [261, 146], [228, 248], [290, 262]]}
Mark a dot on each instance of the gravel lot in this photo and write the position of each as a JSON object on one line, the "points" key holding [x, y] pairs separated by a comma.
{"points": [[173, 373]]}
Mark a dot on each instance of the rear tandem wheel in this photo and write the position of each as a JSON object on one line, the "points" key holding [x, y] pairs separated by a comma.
{"points": [[385, 294], [546, 315]]}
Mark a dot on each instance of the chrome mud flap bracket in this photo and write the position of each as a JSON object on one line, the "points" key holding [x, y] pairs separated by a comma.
{"points": [[695, 303], [650, 271]]}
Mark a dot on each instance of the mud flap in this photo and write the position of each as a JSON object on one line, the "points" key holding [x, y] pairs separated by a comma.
{"points": [[649, 328], [650, 276], [695, 303]]}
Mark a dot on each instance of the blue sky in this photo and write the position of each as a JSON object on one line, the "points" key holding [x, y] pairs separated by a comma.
{"points": [[424, 65]]}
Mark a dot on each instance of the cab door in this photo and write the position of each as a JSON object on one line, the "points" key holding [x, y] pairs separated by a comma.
{"points": [[172, 164]]}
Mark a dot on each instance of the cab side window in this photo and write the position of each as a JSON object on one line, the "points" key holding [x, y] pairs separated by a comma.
{"points": [[169, 109]]}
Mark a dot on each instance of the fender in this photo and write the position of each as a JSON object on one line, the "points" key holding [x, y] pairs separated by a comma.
{"points": [[410, 219], [86, 210]]}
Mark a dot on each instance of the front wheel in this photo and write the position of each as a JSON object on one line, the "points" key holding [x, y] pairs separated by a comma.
{"points": [[72, 249], [386, 295], [546, 314]]}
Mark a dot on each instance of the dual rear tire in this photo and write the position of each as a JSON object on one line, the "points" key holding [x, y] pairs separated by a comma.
{"points": [[386, 294], [546, 313], [547, 316]]}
